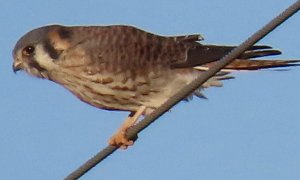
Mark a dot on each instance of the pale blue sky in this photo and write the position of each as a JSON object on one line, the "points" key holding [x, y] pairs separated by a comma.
{"points": [[249, 129]]}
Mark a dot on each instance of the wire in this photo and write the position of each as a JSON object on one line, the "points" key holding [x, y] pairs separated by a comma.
{"points": [[132, 132]]}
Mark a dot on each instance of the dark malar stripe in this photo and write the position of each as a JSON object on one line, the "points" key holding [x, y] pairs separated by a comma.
{"points": [[53, 53]]}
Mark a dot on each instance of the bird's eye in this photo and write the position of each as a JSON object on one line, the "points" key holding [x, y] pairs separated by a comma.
{"points": [[28, 51]]}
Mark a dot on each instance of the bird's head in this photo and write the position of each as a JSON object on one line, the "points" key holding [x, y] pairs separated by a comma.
{"points": [[37, 51]]}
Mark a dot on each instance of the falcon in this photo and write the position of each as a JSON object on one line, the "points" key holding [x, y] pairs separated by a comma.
{"points": [[124, 68]]}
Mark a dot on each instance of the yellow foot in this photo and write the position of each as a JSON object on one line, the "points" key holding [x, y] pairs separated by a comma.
{"points": [[119, 139]]}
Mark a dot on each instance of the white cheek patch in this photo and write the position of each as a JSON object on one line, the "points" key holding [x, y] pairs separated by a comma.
{"points": [[43, 58]]}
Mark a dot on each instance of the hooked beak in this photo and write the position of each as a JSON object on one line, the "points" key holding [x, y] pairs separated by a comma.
{"points": [[17, 65]]}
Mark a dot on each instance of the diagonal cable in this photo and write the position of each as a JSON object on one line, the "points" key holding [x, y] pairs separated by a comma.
{"points": [[132, 132]]}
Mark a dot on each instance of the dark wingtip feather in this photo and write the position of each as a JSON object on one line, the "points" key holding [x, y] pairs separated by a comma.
{"points": [[258, 47], [204, 54], [260, 53]]}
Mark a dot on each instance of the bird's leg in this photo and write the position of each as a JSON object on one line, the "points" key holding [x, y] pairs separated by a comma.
{"points": [[119, 138]]}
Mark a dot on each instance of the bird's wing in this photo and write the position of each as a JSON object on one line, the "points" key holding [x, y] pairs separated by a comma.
{"points": [[205, 56], [123, 48]]}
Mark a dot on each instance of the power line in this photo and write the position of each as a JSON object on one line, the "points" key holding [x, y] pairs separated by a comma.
{"points": [[132, 132]]}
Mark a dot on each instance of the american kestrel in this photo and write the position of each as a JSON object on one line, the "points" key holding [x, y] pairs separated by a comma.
{"points": [[125, 68]]}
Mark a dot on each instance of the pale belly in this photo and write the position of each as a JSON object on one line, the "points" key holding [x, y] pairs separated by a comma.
{"points": [[125, 94]]}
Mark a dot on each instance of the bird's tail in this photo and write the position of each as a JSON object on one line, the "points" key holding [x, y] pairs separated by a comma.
{"points": [[250, 65], [248, 61], [245, 62]]}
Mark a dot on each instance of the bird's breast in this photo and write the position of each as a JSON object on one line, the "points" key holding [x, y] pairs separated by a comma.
{"points": [[121, 91]]}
